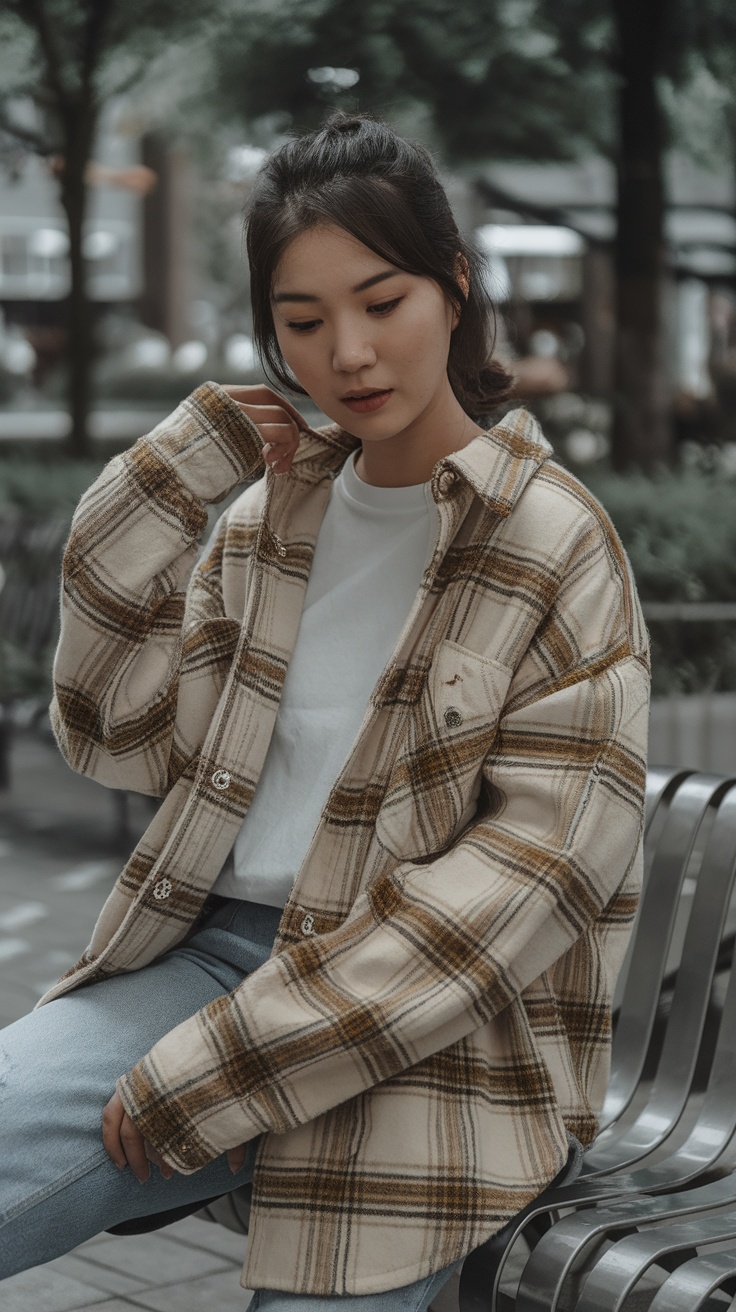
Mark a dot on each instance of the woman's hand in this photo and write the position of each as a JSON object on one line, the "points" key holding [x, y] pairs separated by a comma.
{"points": [[126, 1146], [278, 422]]}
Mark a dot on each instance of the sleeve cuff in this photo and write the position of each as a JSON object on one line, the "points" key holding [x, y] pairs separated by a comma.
{"points": [[211, 444], [162, 1123]]}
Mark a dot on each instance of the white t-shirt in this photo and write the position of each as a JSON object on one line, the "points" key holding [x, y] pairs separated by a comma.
{"points": [[373, 546]]}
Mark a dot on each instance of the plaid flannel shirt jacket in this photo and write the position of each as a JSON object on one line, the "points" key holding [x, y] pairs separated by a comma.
{"points": [[435, 1015]]}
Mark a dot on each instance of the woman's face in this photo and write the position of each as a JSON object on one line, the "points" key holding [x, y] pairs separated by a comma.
{"points": [[368, 342]]}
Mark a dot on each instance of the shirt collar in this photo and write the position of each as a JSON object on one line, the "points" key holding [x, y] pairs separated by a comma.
{"points": [[496, 465]]}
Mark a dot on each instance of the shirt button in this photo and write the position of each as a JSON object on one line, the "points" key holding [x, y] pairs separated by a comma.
{"points": [[446, 482], [221, 780], [162, 890], [453, 718], [308, 925], [280, 548]]}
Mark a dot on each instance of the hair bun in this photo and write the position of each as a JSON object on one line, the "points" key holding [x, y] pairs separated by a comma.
{"points": [[342, 121]]}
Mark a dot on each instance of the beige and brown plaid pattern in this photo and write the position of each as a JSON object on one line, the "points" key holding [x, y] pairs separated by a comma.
{"points": [[436, 1012]]}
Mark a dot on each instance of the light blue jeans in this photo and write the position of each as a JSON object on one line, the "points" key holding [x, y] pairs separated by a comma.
{"points": [[58, 1068]]}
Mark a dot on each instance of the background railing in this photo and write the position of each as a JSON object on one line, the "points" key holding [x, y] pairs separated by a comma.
{"points": [[694, 729]]}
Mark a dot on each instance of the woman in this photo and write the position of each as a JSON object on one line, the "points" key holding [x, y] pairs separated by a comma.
{"points": [[397, 715]]}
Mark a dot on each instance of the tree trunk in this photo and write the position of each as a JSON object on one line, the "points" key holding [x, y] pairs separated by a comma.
{"points": [[79, 128], [642, 423]]}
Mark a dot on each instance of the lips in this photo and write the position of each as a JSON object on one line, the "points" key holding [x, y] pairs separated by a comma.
{"points": [[366, 399]]}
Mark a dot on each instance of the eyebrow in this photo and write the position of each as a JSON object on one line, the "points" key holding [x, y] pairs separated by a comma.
{"points": [[361, 287]]}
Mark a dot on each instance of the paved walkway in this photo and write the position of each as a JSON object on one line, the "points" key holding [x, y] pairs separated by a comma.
{"points": [[189, 1267], [60, 852]]}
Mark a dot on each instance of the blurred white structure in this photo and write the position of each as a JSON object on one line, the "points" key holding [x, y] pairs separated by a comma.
{"points": [[33, 232], [535, 260], [240, 352], [189, 357], [337, 79], [17, 356], [693, 337], [243, 162], [151, 352]]}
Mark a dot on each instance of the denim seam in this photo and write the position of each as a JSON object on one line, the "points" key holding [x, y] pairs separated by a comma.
{"points": [[95, 1159], [428, 1286], [423, 1294]]}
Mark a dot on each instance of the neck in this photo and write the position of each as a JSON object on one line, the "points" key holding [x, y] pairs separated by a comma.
{"points": [[410, 456]]}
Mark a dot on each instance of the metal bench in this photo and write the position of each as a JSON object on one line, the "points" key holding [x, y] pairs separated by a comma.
{"points": [[658, 1183]]}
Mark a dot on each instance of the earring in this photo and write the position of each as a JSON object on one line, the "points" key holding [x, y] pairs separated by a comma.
{"points": [[462, 274]]}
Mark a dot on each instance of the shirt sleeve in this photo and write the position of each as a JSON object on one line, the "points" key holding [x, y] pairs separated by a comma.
{"points": [[128, 580], [431, 951]]}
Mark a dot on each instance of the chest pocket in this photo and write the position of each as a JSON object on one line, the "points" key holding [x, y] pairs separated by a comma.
{"points": [[434, 784]]}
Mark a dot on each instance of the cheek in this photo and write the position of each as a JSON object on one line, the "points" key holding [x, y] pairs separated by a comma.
{"points": [[422, 340]]}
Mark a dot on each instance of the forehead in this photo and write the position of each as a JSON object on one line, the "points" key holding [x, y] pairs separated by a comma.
{"points": [[325, 257]]}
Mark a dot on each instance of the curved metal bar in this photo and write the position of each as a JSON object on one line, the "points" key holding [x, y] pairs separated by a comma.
{"points": [[662, 783], [711, 1143], [652, 938], [673, 1080], [662, 780], [558, 1251], [483, 1268], [620, 1269], [688, 1288]]}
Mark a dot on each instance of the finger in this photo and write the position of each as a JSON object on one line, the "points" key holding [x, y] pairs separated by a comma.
{"points": [[135, 1149], [236, 1157], [268, 414], [284, 436], [112, 1119], [154, 1156], [278, 464], [260, 394]]}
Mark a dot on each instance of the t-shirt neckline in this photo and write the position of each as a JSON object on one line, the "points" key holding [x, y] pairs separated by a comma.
{"points": [[355, 489]]}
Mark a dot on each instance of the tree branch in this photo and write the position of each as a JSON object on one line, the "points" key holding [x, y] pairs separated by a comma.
{"points": [[24, 136], [34, 14]]}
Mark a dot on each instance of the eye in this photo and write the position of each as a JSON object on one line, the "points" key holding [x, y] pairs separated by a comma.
{"points": [[386, 306], [304, 326]]}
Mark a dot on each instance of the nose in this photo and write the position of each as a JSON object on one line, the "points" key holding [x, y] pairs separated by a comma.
{"points": [[352, 349]]}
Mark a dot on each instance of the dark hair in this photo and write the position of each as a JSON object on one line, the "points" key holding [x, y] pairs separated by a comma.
{"points": [[358, 174]]}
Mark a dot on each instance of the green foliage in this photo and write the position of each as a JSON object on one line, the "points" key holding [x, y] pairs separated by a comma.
{"points": [[679, 530], [37, 500], [23, 676], [471, 67], [60, 50], [38, 488]]}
